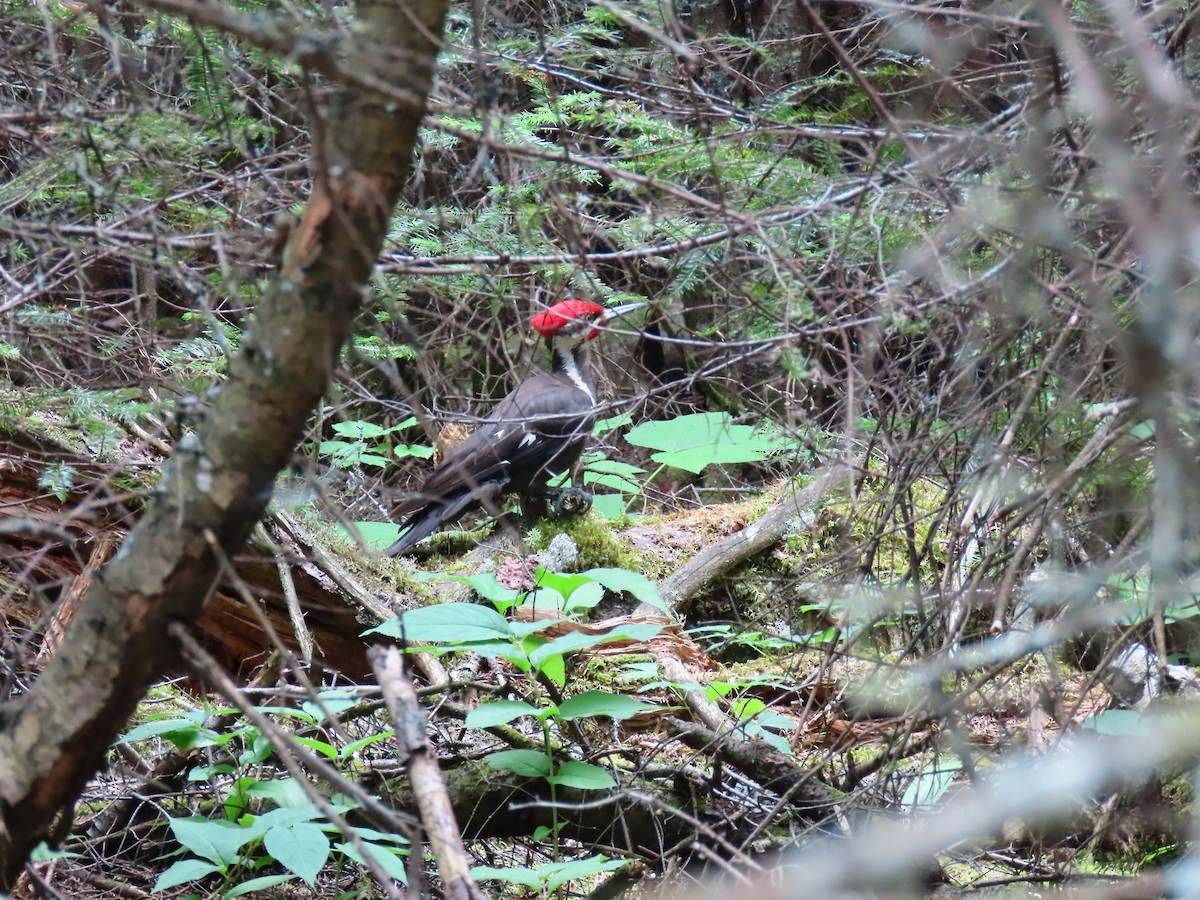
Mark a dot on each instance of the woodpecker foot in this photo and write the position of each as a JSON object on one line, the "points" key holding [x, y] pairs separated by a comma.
{"points": [[572, 502]]}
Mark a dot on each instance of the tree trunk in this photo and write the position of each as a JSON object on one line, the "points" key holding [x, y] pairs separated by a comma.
{"points": [[219, 479]]}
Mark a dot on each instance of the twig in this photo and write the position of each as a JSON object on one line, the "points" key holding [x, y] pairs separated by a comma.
{"points": [[299, 626], [705, 567], [413, 744]]}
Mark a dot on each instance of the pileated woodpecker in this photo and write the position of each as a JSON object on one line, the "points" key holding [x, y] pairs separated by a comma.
{"points": [[534, 433]]}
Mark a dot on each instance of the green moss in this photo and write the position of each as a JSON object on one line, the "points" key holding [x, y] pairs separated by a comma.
{"points": [[598, 545]]}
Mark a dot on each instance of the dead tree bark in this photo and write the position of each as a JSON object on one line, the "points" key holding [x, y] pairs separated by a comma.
{"points": [[219, 479]]}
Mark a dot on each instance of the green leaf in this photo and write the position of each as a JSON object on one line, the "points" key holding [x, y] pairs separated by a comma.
{"points": [[257, 884], [498, 712], [258, 826], [555, 668], [545, 598], [323, 747], [182, 872], [418, 451], [617, 421], [615, 482], [527, 763], [642, 588], [1119, 722], [301, 848], [354, 746], [696, 441], [359, 430], [333, 702], [609, 506], [285, 792], [183, 733], [446, 623], [563, 583], [558, 874], [582, 776], [601, 703], [383, 857], [486, 585], [614, 467], [376, 535], [515, 875], [216, 840], [576, 640], [929, 786]]}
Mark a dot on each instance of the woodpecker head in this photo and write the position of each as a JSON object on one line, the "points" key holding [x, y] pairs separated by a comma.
{"points": [[577, 320]]}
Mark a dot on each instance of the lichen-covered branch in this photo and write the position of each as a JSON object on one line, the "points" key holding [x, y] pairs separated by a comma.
{"points": [[220, 477]]}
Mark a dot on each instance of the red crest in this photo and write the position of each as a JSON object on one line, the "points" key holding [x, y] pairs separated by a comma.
{"points": [[552, 320]]}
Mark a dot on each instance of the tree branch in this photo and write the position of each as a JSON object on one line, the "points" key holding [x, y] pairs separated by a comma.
{"points": [[220, 478]]}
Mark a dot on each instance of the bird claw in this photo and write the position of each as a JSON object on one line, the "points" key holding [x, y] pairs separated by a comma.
{"points": [[572, 502]]}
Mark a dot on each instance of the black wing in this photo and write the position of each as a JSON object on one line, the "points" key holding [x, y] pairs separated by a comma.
{"points": [[536, 431]]}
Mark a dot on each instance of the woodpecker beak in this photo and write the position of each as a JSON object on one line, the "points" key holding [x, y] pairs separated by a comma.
{"points": [[611, 313], [616, 312]]}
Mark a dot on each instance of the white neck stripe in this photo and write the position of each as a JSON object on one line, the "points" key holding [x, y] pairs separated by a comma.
{"points": [[567, 358]]}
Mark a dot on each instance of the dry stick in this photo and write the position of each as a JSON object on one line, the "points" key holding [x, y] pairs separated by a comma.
{"points": [[715, 560], [292, 754], [413, 747], [755, 761], [433, 670], [264, 622], [299, 626]]}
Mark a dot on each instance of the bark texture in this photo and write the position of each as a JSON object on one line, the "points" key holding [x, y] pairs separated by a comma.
{"points": [[219, 479]]}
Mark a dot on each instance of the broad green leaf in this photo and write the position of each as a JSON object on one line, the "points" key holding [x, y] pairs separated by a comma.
{"points": [[354, 746], [698, 440], [183, 733], [927, 788], [558, 874], [582, 776], [555, 668], [527, 763], [285, 792], [642, 588], [446, 623], [747, 708], [182, 872], [522, 630], [498, 712], [612, 422], [601, 703], [323, 747], [301, 848], [1118, 722], [376, 535], [381, 856], [561, 582], [278, 818], [609, 506], [577, 640], [614, 467], [486, 586], [359, 430], [333, 702], [585, 596], [370, 834], [545, 598], [515, 875], [216, 840], [372, 459], [615, 482], [417, 451], [262, 883]]}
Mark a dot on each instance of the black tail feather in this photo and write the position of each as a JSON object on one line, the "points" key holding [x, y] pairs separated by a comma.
{"points": [[430, 518]]}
